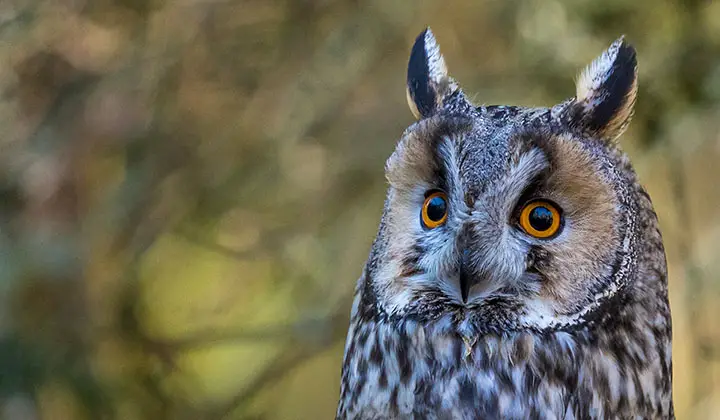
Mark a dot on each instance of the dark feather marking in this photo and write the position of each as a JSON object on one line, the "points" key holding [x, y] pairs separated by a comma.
{"points": [[466, 391], [615, 89], [418, 78]]}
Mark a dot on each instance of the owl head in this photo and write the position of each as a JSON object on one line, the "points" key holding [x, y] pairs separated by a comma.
{"points": [[504, 217]]}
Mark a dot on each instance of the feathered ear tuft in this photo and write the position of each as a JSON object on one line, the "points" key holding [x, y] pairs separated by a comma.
{"points": [[606, 92], [428, 83]]}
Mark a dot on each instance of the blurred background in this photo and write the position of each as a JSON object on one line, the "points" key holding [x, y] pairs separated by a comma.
{"points": [[189, 188]]}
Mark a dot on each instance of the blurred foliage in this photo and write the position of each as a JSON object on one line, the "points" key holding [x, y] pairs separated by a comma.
{"points": [[188, 189]]}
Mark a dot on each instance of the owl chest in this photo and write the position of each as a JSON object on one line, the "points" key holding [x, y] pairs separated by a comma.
{"points": [[405, 383], [406, 374]]}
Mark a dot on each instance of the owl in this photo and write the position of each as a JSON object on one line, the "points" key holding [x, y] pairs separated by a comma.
{"points": [[518, 271]]}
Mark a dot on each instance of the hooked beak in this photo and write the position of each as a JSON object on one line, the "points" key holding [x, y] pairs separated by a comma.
{"points": [[466, 275]]}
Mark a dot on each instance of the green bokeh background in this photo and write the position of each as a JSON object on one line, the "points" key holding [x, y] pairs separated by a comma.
{"points": [[189, 188]]}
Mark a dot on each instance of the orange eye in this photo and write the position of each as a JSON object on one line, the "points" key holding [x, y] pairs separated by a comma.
{"points": [[540, 219], [435, 210]]}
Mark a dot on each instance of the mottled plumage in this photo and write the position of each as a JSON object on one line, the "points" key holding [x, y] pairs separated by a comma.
{"points": [[477, 318]]}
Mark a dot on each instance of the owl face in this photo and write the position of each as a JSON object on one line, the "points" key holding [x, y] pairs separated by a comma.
{"points": [[507, 217]]}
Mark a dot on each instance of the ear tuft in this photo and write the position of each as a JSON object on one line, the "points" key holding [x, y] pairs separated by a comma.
{"points": [[606, 91], [428, 83]]}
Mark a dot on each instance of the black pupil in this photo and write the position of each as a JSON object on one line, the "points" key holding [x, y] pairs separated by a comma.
{"points": [[436, 209], [541, 218]]}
